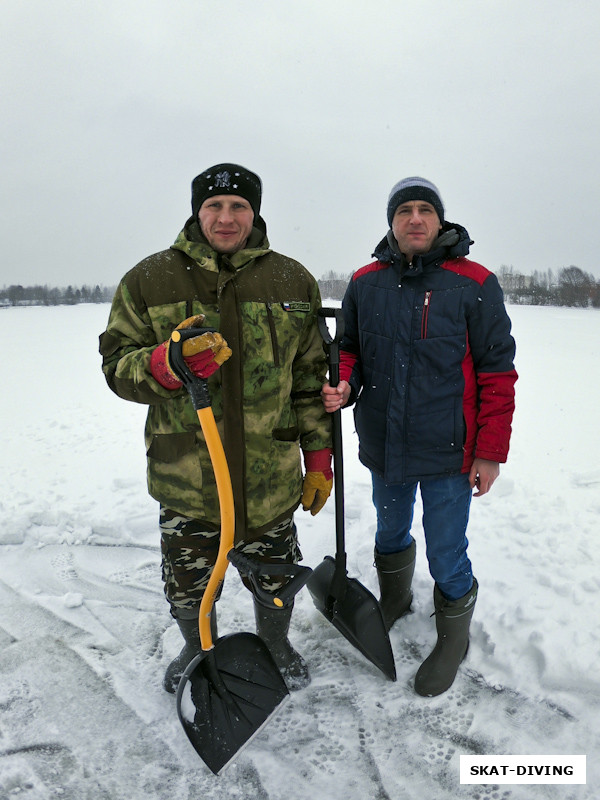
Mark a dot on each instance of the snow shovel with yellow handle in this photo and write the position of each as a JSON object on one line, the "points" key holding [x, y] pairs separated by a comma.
{"points": [[230, 690], [344, 601]]}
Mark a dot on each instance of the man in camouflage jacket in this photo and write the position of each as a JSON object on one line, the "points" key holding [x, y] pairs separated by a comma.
{"points": [[265, 395]]}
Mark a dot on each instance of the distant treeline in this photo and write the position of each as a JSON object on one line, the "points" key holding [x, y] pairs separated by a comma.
{"points": [[53, 296], [569, 286]]}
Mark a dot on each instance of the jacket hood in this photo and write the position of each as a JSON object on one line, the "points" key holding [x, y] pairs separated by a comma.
{"points": [[191, 241], [453, 242]]}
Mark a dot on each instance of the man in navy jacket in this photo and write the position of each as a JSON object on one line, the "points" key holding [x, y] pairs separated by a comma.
{"points": [[427, 357]]}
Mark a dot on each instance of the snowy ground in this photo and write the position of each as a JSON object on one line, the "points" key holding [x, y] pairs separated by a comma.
{"points": [[85, 634]]}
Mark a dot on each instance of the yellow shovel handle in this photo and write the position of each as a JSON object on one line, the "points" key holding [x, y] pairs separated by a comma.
{"points": [[225, 492]]}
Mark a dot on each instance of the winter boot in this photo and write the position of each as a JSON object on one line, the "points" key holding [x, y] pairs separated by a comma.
{"points": [[452, 620], [272, 625], [188, 625], [395, 573]]}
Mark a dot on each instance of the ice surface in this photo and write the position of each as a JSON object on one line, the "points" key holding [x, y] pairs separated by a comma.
{"points": [[85, 633]]}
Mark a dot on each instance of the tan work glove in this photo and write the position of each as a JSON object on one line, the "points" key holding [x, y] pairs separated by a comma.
{"points": [[318, 480], [203, 354]]}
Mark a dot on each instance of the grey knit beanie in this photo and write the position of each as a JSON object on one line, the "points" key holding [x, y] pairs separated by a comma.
{"points": [[414, 189]]}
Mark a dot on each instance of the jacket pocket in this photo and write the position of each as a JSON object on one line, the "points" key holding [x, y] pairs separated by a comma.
{"points": [[286, 434], [273, 332], [169, 447]]}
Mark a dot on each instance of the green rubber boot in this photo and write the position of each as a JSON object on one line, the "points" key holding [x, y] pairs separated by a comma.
{"points": [[395, 573], [272, 625], [452, 619], [188, 625]]}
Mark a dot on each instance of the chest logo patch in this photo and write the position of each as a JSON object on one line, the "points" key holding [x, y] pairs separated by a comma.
{"points": [[296, 305]]}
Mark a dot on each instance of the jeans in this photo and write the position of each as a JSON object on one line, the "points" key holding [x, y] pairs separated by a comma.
{"points": [[446, 503]]}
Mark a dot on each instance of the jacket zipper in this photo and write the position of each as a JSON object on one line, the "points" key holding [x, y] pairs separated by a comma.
{"points": [[274, 343], [425, 316]]}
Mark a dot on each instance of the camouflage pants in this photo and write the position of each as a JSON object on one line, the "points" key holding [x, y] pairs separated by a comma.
{"points": [[189, 553]]}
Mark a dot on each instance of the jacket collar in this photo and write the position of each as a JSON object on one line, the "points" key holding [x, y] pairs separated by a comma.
{"points": [[453, 242], [192, 242]]}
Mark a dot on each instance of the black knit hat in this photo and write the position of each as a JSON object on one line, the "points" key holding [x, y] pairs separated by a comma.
{"points": [[226, 179], [414, 189]]}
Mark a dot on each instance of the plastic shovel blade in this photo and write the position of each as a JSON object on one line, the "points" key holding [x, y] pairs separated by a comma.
{"points": [[357, 615], [226, 695]]}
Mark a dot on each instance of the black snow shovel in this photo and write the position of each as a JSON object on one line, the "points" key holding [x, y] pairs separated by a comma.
{"points": [[232, 688], [344, 601]]}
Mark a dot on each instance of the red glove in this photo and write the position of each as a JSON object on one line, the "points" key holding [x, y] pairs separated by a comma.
{"points": [[318, 480], [203, 354]]}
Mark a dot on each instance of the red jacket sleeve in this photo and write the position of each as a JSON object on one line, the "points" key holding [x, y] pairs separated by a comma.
{"points": [[496, 408]]}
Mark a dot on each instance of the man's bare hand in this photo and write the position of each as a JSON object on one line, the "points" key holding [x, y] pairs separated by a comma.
{"points": [[336, 397], [482, 476]]}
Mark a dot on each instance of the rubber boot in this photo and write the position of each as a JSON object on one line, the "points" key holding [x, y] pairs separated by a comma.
{"points": [[188, 626], [395, 573], [452, 619], [272, 625]]}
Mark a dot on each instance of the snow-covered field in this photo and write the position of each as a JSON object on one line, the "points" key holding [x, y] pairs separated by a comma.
{"points": [[85, 633]]}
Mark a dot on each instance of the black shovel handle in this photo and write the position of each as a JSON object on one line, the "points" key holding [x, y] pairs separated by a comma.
{"points": [[332, 345], [196, 386], [253, 569]]}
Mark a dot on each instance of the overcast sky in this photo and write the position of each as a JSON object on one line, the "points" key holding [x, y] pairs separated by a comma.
{"points": [[109, 109]]}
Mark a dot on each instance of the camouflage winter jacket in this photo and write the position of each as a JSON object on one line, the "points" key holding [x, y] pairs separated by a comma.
{"points": [[265, 398]]}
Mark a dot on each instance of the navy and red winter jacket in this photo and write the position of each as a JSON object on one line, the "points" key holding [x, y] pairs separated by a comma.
{"points": [[428, 353]]}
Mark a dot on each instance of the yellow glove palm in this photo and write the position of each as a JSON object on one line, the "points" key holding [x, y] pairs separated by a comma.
{"points": [[315, 491]]}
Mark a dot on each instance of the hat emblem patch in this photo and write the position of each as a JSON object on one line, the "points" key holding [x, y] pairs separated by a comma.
{"points": [[223, 180]]}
